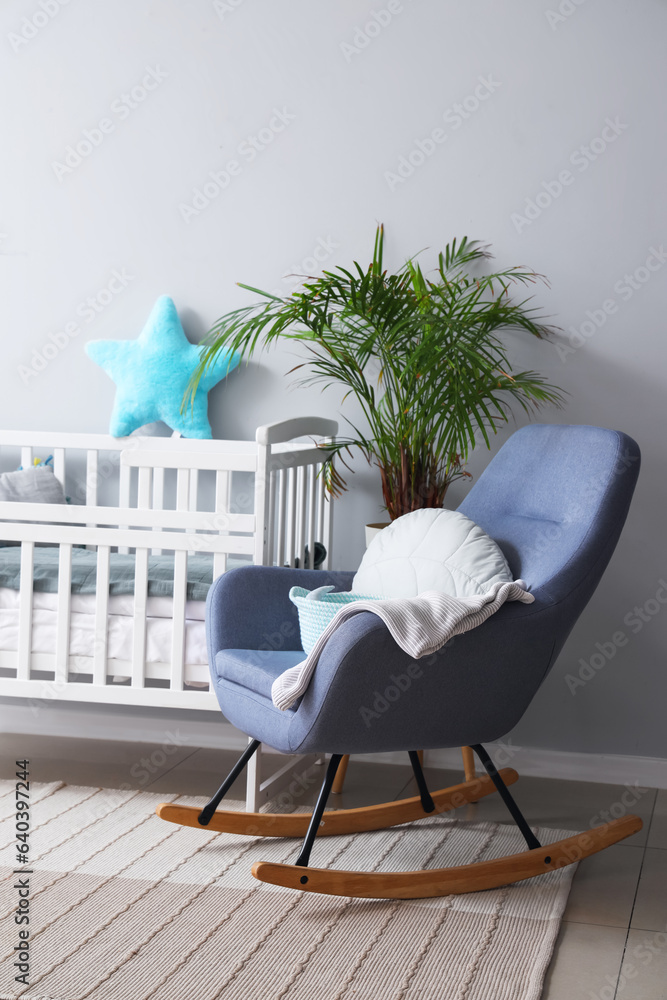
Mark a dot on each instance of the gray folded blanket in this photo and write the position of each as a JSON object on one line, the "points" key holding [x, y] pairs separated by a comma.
{"points": [[420, 625]]}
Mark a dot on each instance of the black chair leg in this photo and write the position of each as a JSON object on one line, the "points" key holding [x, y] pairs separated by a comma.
{"points": [[205, 815], [320, 805], [504, 792], [428, 805]]}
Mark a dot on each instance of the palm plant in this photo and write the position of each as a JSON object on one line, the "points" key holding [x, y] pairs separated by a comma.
{"points": [[421, 356]]}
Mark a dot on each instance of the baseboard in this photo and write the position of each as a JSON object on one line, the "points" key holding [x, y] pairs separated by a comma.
{"points": [[608, 769], [129, 724], [208, 729]]}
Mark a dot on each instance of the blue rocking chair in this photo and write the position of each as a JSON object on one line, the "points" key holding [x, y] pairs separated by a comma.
{"points": [[555, 499]]}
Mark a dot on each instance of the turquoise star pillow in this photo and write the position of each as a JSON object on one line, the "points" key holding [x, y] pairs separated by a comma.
{"points": [[152, 374]]}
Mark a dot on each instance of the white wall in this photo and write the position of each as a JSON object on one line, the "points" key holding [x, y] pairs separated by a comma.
{"points": [[219, 72]]}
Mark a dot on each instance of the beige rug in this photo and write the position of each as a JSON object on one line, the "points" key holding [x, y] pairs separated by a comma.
{"points": [[127, 907]]}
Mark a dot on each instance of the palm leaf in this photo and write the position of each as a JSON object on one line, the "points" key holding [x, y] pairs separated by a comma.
{"points": [[422, 355]]}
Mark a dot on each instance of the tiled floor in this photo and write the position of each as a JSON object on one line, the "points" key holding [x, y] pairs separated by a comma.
{"points": [[613, 940]]}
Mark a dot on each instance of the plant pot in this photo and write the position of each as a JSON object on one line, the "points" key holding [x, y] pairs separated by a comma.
{"points": [[373, 529]]}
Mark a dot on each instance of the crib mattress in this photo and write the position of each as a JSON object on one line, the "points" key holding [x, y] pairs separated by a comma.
{"points": [[120, 616], [119, 604], [120, 631], [121, 572]]}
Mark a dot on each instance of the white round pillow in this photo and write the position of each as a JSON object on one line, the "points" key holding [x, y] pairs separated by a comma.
{"points": [[431, 549]]}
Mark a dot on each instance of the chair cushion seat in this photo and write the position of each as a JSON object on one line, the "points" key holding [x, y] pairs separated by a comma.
{"points": [[255, 669]]}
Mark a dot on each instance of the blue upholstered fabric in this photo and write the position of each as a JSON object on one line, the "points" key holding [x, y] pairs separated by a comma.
{"points": [[255, 669], [258, 613], [551, 497], [554, 498]]}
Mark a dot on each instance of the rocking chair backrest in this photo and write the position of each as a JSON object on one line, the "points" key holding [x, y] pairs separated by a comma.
{"points": [[555, 499]]}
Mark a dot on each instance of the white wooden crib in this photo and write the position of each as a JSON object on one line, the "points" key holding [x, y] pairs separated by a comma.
{"points": [[259, 501]]}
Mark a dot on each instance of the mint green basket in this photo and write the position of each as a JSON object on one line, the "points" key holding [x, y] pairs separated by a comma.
{"points": [[318, 607]]}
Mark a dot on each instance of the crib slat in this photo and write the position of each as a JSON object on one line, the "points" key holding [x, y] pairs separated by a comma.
{"points": [[194, 489], [158, 489], [91, 483], [158, 497], [26, 457], [327, 532], [64, 608], [320, 510], [59, 465], [303, 501], [312, 504], [222, 492], [291, 513], [178, 633], [253, 780], [124, 484], [182, 489], [91, 478], [271, 516], [222, 499], [25, 610], [144, 488], [101, 612], [184, 493], [140, 600], [282, 517]]}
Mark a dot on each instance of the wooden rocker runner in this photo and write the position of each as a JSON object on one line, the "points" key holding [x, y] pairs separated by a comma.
{"points": [[476, 689], [340, 821]]}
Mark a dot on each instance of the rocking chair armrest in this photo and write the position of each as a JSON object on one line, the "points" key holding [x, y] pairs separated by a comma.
{"points": [[499, 665], [249, 604]]}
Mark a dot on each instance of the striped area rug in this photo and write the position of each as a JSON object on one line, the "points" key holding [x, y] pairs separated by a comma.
{"points": [[127, 907]]}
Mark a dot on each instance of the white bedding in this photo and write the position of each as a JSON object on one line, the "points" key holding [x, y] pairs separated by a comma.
{"points": [[120, 628], [119, 604], [120, 632]]}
